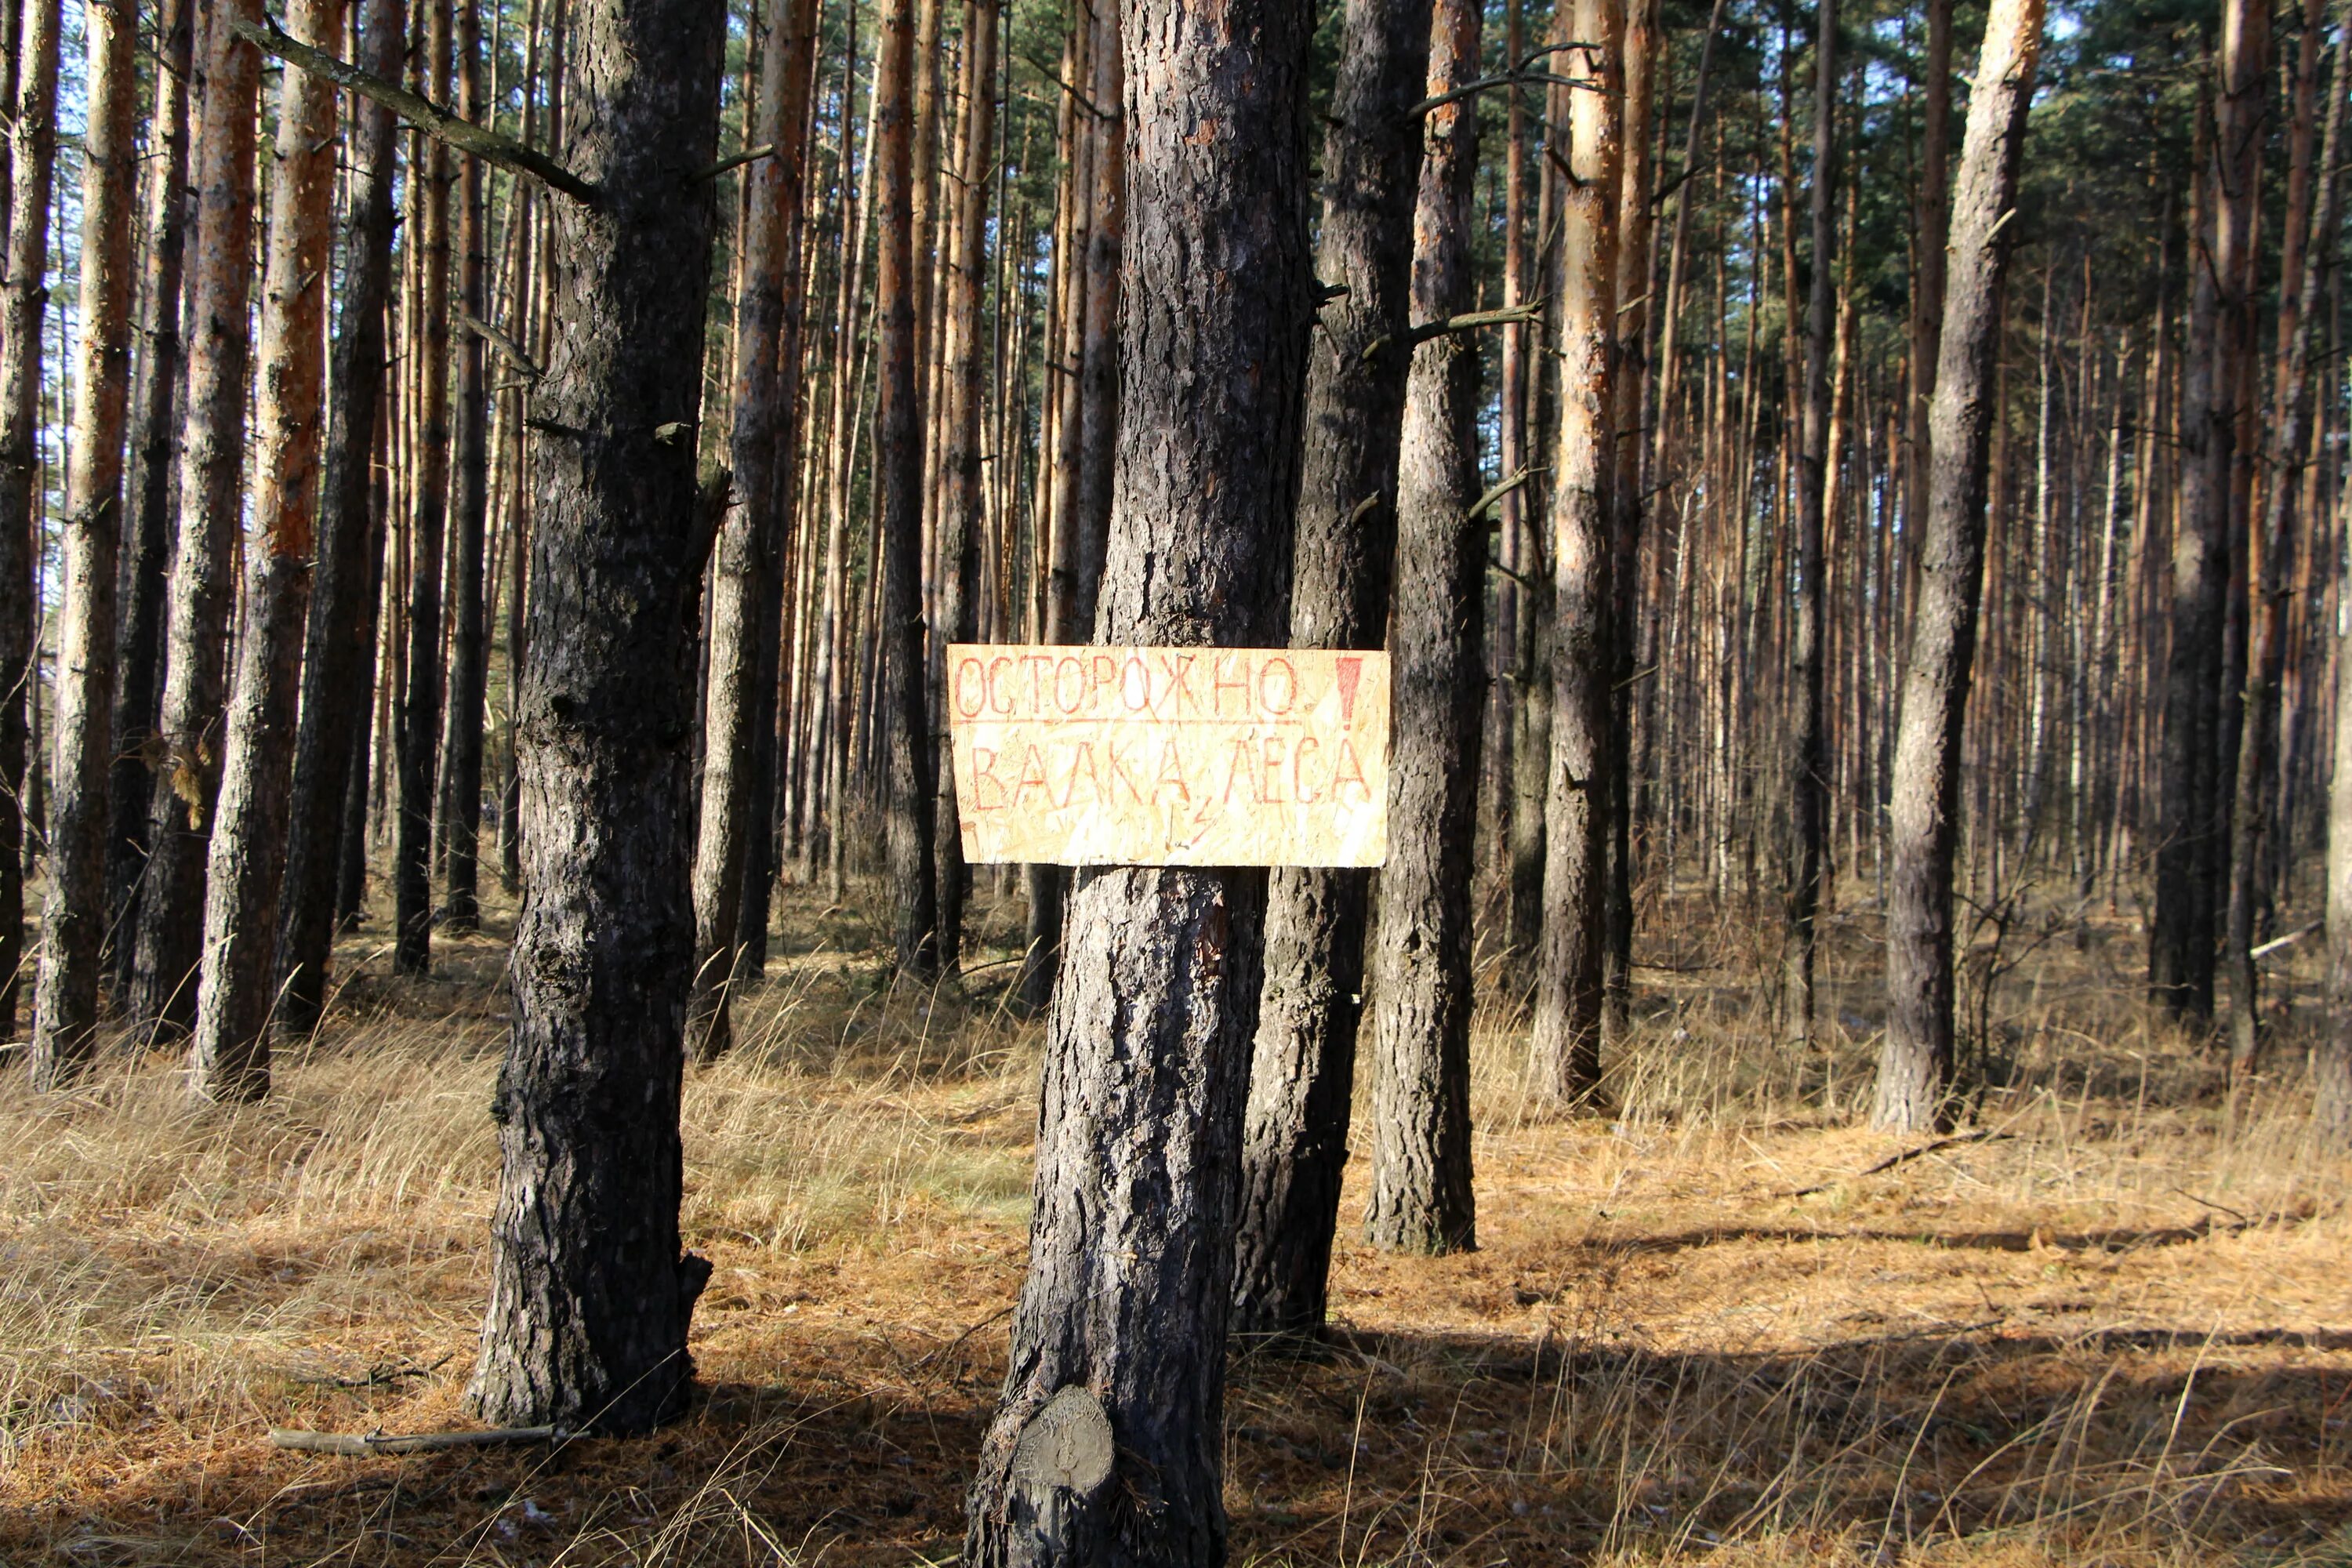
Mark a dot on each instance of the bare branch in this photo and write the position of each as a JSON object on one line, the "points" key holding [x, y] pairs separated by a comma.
{"points": [[490, 146]]}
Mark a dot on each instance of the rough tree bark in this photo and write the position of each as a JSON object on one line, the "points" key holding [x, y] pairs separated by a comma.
{"points": [[1303, 1063], [899, 492], [73, 916], [2193, 806], [747, 587], [212, 476], [1106, 1443], [1421, 1196], [1568, 996], [1915, 1064], [590, 1294], [1808, 765], [341, 637], [144, 568], [247, 857], [419, 715]]}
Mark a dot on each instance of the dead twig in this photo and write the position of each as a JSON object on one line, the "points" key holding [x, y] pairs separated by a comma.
{"points": [[1981, 1135], [365, 1443]]}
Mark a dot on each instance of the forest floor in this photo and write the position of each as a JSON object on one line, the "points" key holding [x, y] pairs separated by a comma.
{"points": [[2114, 1328]]}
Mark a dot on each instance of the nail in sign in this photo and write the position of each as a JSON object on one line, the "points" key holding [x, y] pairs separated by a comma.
{"points": [[1170, 756]]}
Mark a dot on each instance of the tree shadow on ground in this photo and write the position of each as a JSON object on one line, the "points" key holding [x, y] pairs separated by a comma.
{"points": [[1465, 1449]]}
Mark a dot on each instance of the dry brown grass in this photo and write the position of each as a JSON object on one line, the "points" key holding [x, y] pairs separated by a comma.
{"points": [[2119, 1332]]}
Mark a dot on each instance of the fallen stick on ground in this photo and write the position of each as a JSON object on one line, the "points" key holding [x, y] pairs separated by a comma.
{"points": [[365, 1443], [1981, 1135]]}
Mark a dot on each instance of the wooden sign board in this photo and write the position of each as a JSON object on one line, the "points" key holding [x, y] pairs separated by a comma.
{"points": [[1170, 756]]}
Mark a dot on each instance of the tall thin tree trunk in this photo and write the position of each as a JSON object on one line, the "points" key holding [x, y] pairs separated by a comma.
{"points": [[212, 473], [590, 1293], [1568, 999], [2287, 451], [469, 636], [73, 921], [746, 579], [1303, 1062], [964, 357], [899, 492], [1916, 1062], [1637, 181], [1808, 764], [243, 880], [1115, 1392], [1930, 259], [1421, 1198], [420, 708], [338, 663], [143, 572], [2193, 812], [24, 300]]}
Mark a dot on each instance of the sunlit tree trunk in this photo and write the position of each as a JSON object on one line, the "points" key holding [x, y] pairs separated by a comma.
{"points": [[150, 501], [747, 587], [212, 476], [1421, 1196], [246, 857], [338, 662], [590, 1292], [1115, 1390], [74, 915], [1303, 1063], [1568, 996], [1915, 1061]]}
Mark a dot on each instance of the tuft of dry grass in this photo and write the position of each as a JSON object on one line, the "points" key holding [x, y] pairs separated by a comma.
{"points": [[2113, 1329]]}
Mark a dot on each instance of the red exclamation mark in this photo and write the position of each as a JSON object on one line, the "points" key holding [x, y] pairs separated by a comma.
{"points": [[1350, 669]]}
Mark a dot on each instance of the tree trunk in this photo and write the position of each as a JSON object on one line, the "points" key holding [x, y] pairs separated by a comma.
{"points": [[1567, 1045], [242, 881], [24, 300], [1930, 259], [470, 638], [899, 491], [420, 706], [143, 571], [1915, 1067], [1420, 1199], [964, 358], [2332, 1057], [2193, 810], [338, 665], [1303, 1063], [1809, 764], [1108, 1439], [1059, 460], [2288, 450], [746, 590], [1637, 183], [73, 921], [589, 1295], [212, 473]]}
